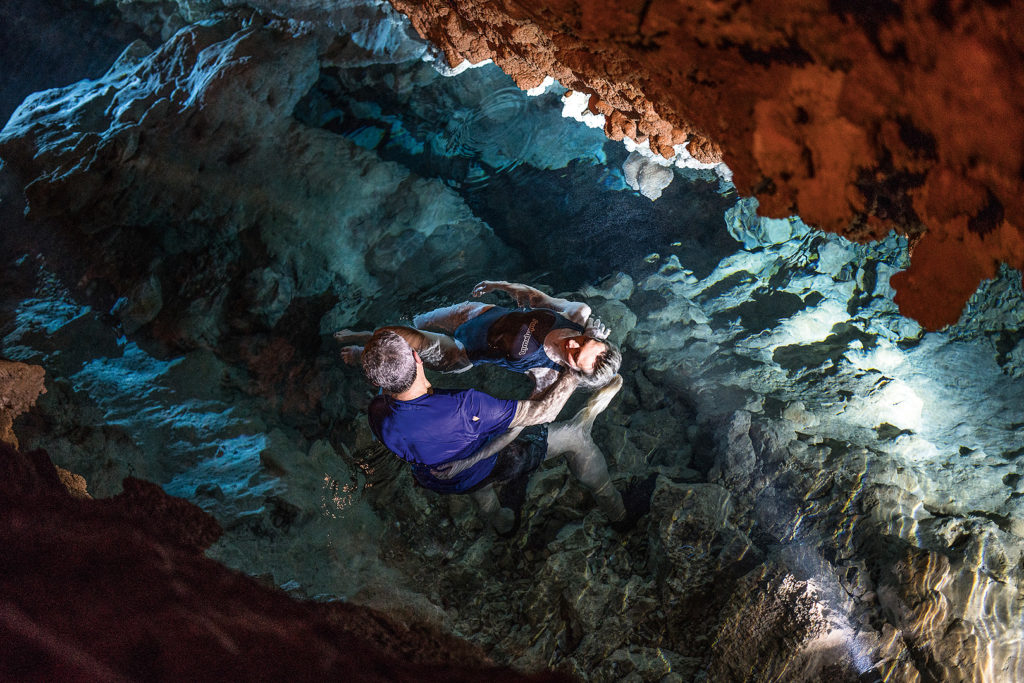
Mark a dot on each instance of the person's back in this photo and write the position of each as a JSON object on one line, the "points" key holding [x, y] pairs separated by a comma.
{"points": [[513, 339], [440, 427]]}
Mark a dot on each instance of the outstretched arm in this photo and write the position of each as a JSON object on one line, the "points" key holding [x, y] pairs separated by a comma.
{"points": [[531, 297], [543, 409]]}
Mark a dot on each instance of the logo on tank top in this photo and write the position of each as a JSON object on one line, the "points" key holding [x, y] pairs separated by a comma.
{"points": [[526, 338]]}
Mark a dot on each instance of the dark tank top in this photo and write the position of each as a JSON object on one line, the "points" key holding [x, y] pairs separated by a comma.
{"points": [[512, 338]]}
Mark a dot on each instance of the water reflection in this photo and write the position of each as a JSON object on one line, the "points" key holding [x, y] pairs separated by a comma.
{"points": [[480, 143]]}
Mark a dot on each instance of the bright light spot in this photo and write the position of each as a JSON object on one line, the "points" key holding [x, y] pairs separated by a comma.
{"points": [[899, 405], [884, 357], [542, 88], [810, 325], [574, 106], [440, 64]]}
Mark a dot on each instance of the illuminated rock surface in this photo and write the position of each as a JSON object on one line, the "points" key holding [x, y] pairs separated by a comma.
{"points": [[858, 117], [833, 492]]}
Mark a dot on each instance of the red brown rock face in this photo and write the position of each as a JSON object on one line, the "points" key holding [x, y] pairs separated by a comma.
{"points": [[118, 589], [860, 117], [20, 386]]}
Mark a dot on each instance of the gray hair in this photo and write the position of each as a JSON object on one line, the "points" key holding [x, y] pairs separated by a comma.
{"points": [[388, 362], [606, 364]]}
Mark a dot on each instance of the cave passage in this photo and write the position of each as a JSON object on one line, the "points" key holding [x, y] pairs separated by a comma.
{"points": [[822, 473]]}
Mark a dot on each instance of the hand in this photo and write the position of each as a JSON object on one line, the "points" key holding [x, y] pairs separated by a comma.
{"points": [[446, 470], [596, 329], [486, 286]]}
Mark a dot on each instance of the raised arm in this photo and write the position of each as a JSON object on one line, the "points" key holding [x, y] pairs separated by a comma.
{"points": [[544, 408], [531, 297]]}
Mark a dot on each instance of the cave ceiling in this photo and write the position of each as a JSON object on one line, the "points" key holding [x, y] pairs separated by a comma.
{"points": [[861, 117]]}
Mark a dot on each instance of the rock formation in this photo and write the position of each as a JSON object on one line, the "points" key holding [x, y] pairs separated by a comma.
{"points": [[133, 146], [20, 385], [118, 589], [834, 494], [859, 118]]}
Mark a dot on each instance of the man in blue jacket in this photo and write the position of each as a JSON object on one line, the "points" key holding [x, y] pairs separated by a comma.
{"points": [[466, 441]]}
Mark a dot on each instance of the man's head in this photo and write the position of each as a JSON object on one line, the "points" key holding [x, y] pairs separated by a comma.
{"points": [[597, 360], [389, 362]]}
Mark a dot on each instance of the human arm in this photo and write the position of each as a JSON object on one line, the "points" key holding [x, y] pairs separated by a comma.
{"points": [[531, 297], [545, 407], [450, 469]]}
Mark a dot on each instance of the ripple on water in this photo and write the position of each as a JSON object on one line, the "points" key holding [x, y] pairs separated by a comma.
{"points": [[481, 143]]}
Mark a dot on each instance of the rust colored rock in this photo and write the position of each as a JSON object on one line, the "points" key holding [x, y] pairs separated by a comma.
{"points": [[74, 483], [851, 115], [20, 386], [118, 589]]}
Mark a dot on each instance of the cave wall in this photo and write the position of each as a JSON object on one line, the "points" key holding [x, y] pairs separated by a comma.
{"points": [[118, 589], [216, 221], [859, 117]]}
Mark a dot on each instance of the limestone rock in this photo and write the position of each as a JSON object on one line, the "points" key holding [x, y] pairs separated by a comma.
{"points": [[212, 108], [151, 569], [779, 605], [735, 459], [646, 176], [20, 386], [814, 114], [754, 231]]}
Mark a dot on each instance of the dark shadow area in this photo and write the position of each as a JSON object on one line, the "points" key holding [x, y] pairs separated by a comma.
{"points": [[50, 43], [800, 356]]}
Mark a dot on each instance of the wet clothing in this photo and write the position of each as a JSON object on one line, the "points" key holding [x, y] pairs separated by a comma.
{"points": [[520, 458], [439, 427], [513, 339]]}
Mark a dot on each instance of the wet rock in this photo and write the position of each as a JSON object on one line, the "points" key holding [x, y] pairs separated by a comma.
{"points": [[770, 440], [755, 231], [693, 528], [619, 319], [646, 176], [140, 306], [735, 457], [648, 664], [833, 147], [264, 175], [618, 286], [796, 413], [153, 569], [779, 625]]}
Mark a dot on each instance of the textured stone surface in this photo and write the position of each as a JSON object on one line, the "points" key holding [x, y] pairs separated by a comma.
{"points": [[20, 386], [859, 118], [118, 590], [826, 480], [133, 146]]}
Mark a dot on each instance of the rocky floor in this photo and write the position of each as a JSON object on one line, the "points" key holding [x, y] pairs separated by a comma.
{"points": [[833, 494]]}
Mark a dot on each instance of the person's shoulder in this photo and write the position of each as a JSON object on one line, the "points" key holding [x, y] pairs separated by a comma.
{"points": [[478, 399], [577, 312], [379, 408]]}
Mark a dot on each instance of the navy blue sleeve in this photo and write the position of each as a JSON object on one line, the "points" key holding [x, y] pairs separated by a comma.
{"points": [[485, 414], [375, 413]]}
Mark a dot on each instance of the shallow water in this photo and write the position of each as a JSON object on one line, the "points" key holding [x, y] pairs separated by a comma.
{"points": [[809, 445]]}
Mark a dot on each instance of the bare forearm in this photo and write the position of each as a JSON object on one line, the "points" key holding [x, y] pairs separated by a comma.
{"points": [[487, 451], [413, 337], [546, 408], [529, 296]]}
